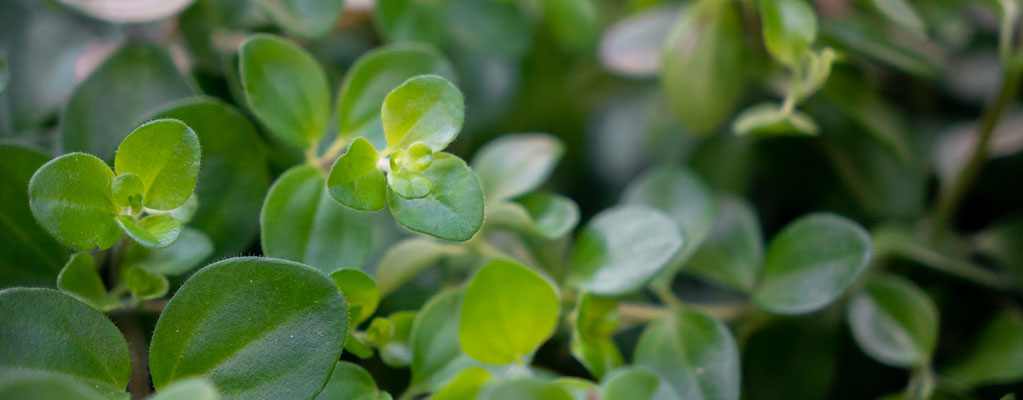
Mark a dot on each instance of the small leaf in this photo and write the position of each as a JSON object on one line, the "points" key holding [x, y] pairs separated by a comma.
{"points": [[285, 88], [360, 291], [598, 355], [130, 11], [190, 249], [349, 382], [308, 19], [894, 322], [546, 215], [36, 325], [145, 285], [29, 384], [516, 164], [189, 389], [80, 279], [811, 262], [418, 158], [258, 328], [789, 28], [165, 155], [635, 383], [397, 351], [595, 323], [128, 190], [465, 386], [406, 259], [452, 211], [994, 358], [159, 231], [528, 313], [622, 248], [768, 119], [694, 353], [70, 197], [425, 108], [354, 179], [733, 251], [632, 47], [523, 389], [437, 356], [409, 185]]}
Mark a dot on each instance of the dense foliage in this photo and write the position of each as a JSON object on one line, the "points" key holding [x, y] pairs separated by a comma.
{"points": [[511, 199]]}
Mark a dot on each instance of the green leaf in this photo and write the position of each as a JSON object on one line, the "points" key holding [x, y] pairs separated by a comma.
{"points": [[768, 119], [437, 356], [595, 323], [406, 259], [425, 108], [354, 179], [528, 306], [546, 215], [234, 177], [486, 26], [360, 291], [901, 12], [31, 256], [187, 253], [1003, 241], [373, 76], [523, 389], [733, 252], [45, 330], [513, 165], [159, 231], [452, 211], [575, 23], [465, 386], [811, 262], [70, 197], [285, 88], [80, 279], [43, 385], [685, 197], [258, 328], [349, 382], [994, 358], [695, 353], [577, 388], [894, 322], [409, 185], [112, 101], [635, 383], [301, 222], [5, 75], [789, 29], [397, 351], [622, 248], [189, 389], [632, 47], [703, 67], [165, 155], [128, 191], [308, 19], [145, 285]]}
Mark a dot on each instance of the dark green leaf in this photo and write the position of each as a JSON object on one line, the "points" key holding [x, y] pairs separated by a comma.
{"points": [[42, 385], [145, 285], [452, 211], [437, 356], [187, 253], [309, 19], [70, 196], [165, 155], [354, 179], [575, 23], [349, 382]]}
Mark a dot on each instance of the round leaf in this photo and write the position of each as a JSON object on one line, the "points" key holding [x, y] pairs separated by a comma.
{"points": [[42, 385], [157, 231], [513, 165], [80, 279], [258, 328], [894, 322], [285, 88], [309, 19], [189, 389], [70, 197], [46, 330], [635, 383], [425, 108], [523, 389], [360, 291], [145, 285], [165, 155], [452, 211], [349, 382], [508, 312], [549, 216], [437, 356], [789, 28], [811, 262], [354, 179], [733, 251], [622, 248]]}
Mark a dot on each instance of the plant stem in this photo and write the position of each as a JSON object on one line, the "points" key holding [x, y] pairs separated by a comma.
{"points": [[138, 384]]}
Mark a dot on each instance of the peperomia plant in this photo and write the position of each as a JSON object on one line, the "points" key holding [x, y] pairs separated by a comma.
{"points": [[317, 199]]}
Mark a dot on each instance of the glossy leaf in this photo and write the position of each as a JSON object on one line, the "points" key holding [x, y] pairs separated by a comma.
{"points": [[349, 382], [285, 88], [465, 386], [185, 254], [128, 191], [811, 262], [635, 383], [165, 155], [789, 28], [452, 211], [257, 328], [354, 179], [159, 231], [406, 259], [31, 256], [189, 389], [301, 222], [145, 285], [513, 165], [80, 279], [995, 355], [769, 120], [70, 197], [694, 353], [360, 291], [733, 252], [528, 313], [894, 322], [546, 215], [409, 185], [425, 108], [36, 325], [309, 19], [622, 248]]}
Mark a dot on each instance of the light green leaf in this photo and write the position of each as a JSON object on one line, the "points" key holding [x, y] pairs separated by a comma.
{"points": [[80, 279], [374, 75], [145, 285], [995, 357], [598, 355], [31, 256], [768, 119], [360, 291], [513, 165], [452, 211], [128, 191], [523, 389], [894, 322], [349, 382], [595, 323], [301, 222], [36, 325], [354, 179], [159, 231], [116, 97], [577, 388], [789, 29], [703, 67], [437, 356], [635, 383], [695, 353], [733, 252], [258, 328], [622, 248], [187, 253], [575, 23], [528, 314], [547, 215], [465, 386], [397, 351], [165, 155], [285, 88], [811, 262], [308, 19], [409, 185], [425, 108], [406, 259], [189, 389], [43, 385], [70, 197]]}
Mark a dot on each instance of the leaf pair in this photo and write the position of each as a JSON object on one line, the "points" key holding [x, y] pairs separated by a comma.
{"points": [[79, 200]]}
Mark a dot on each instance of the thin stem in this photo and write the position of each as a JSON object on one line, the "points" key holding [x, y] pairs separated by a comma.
{"points": [[138, 384]]}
